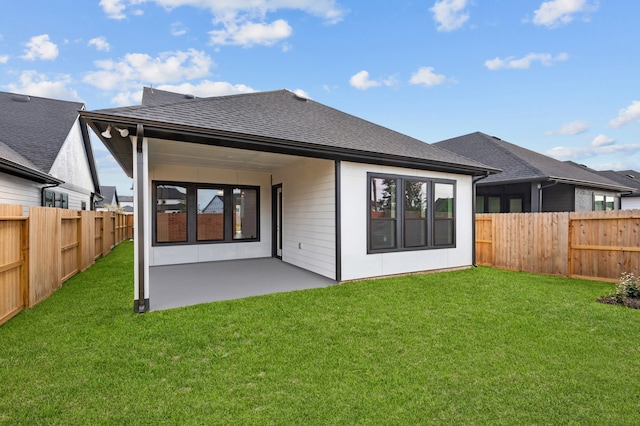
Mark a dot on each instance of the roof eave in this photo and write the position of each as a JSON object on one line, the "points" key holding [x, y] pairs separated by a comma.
{"points": [[25, 172], [185, 133], [600, 185]]}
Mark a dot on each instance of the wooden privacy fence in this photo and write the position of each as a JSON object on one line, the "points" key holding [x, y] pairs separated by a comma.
{"points": [[591, 245], [40, 251]]}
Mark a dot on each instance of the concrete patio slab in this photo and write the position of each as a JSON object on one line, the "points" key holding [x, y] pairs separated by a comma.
{"points": [[173, 286]]}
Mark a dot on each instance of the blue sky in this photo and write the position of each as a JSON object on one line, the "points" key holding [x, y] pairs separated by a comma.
{"points": [[559, 77]]}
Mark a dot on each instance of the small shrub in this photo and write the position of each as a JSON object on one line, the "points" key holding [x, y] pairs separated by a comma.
{"points": [[628, 286]]}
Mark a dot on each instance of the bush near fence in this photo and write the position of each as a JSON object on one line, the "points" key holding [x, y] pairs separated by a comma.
{"points": [[40, 251], [590, 245]]}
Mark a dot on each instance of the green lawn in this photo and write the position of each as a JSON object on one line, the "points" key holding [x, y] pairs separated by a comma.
{"points": [[479, 346]]}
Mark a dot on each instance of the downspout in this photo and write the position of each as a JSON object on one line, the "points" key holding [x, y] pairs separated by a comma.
{"points": [[540, 188], [473, 217], [338, 222], [42, 192], [141, 305]]}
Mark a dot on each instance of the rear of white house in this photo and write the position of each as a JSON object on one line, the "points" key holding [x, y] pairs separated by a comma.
{"points": [[273, 175]]}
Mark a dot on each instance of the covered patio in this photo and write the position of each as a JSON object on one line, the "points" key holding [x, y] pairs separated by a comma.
{"points": [[174, 286]]}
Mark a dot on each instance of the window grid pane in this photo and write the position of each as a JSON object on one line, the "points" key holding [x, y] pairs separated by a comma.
{"points": [[245, 220], [383, 213], [171, 213], [210, 224]]}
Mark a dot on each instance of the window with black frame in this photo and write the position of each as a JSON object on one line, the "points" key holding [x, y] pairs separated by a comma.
{"points": [[410, 213], [192, 213]]}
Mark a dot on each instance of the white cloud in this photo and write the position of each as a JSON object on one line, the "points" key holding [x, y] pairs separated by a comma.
{"points": [[40, 47], [301, 93], [328, 10], [628, 115], [4, 59], [602, 140], [450, 14], [100, 43], [360, 80], [35, 84], [113, 8], [238, 22], [601, 145], [177, 29], [251, 33], [204, 89], [545, 59], [427, 77], [573, 128], [138, 69], [555, 13]]}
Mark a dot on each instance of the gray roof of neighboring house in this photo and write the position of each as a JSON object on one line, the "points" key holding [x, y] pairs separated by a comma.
{"points": [[629, 178], [109, 193], [33, 129], [125, 198], [277, 121], [523, 165]]}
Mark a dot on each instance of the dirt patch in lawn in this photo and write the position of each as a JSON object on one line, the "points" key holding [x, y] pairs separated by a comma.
{"points": [[629, 302]]}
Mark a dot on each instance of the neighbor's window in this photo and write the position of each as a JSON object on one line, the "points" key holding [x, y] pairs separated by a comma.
{"points": [[407, 213], [205, 213], [55, 199], [603, 202]]}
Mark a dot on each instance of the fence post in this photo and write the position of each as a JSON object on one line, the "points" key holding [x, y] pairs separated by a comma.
{"points": [[24, 257]]}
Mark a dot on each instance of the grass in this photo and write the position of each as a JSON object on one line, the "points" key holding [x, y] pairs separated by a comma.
{"points": [[479, 346]]}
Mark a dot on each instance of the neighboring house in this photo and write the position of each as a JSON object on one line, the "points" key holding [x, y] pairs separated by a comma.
{"points": [[45, 154], [299, 181], [216, 205], [532, 182], [631, 178], [109, 201], [126, 202]]}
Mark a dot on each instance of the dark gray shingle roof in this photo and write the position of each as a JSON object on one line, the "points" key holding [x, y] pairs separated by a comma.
{"points": [[109, 194], [520, 164], [283, 116], [629, 178], [151, 96], [36, 128]]}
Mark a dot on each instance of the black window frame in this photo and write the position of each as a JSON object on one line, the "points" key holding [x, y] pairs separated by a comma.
{"points": [[400, 243], [192, 213], [55, 199]]}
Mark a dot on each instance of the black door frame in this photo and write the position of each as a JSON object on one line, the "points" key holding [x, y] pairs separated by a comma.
{"points": [[276, 220]]}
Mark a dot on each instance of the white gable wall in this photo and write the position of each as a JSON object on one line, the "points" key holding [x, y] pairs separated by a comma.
{"points": [[72, 166], [308, 198], [356, 263]]}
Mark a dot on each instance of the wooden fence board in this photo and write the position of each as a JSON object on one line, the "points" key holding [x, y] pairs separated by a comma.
{"points": [[594, 245], [44, 253], [40, 251], [12, 261]]}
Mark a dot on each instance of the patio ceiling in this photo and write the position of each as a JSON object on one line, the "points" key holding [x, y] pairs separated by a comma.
{"points": [[199, 155]]}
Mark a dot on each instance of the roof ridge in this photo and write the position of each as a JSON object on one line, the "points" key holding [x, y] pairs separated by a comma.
{"points": [[500, 143]]}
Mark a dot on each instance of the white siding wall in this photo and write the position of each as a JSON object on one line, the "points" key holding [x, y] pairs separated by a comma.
{"points": [[72, 166], [308, 197], [15, 190], [168, 255], [630, 203], [356, 263]]}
